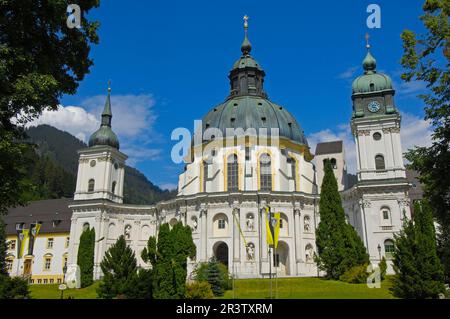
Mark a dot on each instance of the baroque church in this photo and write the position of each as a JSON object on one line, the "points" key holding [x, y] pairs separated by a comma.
{"points": [[229, 180]]}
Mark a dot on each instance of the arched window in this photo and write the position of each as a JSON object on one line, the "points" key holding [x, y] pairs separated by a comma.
{"points": [[333, 163], [232, 172], [379, 162], [389, 248], [385, 214], [113, 188], [265, 172], [372, 87], [91, 185], [293, 163]]}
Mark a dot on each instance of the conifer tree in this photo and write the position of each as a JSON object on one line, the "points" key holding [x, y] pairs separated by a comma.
{"points": [[214, 277], [3, 249], [85, 258], [168, 257], [119, 269], [338, 245], [419, 273]]}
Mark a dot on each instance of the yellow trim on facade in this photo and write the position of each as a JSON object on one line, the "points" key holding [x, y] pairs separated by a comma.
{"points": [[249, 141], [225, 170], [55, 278]]}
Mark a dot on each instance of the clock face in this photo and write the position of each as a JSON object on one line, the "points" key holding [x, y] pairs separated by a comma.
{"points": [[373, 106]]}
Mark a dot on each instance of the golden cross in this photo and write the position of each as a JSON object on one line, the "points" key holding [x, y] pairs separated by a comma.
{"points": [[367, 40], [245, 21]]}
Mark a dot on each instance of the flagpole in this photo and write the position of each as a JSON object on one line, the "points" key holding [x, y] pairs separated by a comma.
{"points": [[270, 272]]}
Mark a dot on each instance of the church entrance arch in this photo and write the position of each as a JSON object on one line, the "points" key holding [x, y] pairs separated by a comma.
{"points": [[220, 251], [281, 259]]}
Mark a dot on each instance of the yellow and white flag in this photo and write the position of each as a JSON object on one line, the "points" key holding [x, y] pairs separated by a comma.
{"points": [[272, 227], [23, 237]]}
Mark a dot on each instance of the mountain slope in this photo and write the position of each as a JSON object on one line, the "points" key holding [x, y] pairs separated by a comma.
{"points": [[61, 147]]}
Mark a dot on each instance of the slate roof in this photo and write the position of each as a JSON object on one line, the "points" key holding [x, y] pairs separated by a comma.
{"points": [[329, 148], [45, 211]]}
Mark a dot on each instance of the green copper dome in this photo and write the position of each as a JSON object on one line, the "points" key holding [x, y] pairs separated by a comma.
{"points": [[247, 106], [371, 81], [105, 135], [256, 113]]}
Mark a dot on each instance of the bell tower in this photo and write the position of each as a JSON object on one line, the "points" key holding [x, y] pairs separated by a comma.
{"points": [[375, 124], [101, 166]]}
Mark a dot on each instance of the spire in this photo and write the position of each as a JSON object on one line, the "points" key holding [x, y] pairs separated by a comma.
{"points": [[105, 135], [369, 62], [107, 114], [246, 47]]}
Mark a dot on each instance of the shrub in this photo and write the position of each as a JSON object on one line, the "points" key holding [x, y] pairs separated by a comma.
{"points": [[355, 275], [216, 274], [13, 288], [383, 268], [199, 290]]}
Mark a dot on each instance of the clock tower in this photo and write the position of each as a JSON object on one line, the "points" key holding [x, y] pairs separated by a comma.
{"points": [[376, 125]]}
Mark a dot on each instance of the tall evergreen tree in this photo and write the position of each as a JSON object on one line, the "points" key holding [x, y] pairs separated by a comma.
{"points": [[168, 257], [3, 249], [85, 258], [119, 269], [338, 245], [419, 273]]}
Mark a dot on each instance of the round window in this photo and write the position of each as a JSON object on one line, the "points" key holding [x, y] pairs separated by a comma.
{"points": [[93, 162], [377, 136]]}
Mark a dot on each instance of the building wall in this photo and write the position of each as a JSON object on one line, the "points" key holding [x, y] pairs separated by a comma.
{"points": [[57, 255]]}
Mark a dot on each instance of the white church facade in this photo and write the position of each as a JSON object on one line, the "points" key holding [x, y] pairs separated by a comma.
{"points": [[228, 181]]}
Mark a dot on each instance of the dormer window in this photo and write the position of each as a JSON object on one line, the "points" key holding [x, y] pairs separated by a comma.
{"points": [[372, 87], [56, 222]]}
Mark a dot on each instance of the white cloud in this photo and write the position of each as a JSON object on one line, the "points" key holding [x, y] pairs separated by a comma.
{"points": [[138, 154], [415, 131], [349, 73], [133, 115], [169, 186], [133, 119], [72, 119]]}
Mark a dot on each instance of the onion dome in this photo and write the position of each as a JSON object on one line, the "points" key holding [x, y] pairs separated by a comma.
{"points": [[247, 106], [371, 80], [105, 135]]}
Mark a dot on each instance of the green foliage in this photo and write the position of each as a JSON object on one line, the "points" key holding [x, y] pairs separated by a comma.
{"points": [[85, 258], [13, 288], [3, 249], [426, 58], [383, 268], [12, 170], [419, 273], [339, 246], [199, 290], [216, 274], [355, 275], [119, 269], [141, 285], [168, 258], [41, 59]]}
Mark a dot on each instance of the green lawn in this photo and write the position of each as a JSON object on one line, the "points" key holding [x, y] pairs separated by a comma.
{"points": [[308, 288], [52, 292], [293, 288]]}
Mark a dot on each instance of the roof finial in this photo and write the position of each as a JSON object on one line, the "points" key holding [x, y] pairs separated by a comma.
{"points": [[245, 23], [246, 47], [109, 86], [367, 36]]}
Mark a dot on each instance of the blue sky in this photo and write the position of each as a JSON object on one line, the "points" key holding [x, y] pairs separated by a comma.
{"points": [[169, 60]]}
